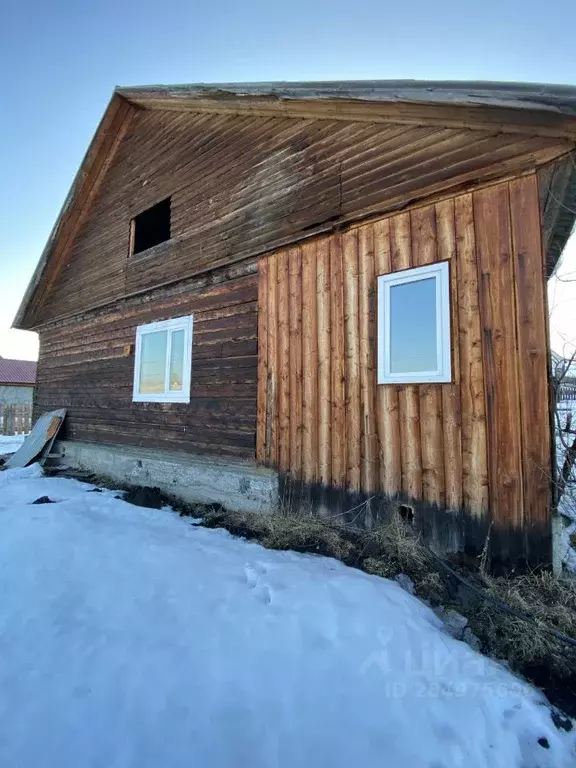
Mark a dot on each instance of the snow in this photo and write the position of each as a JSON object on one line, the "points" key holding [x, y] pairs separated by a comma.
{"points": [[10, 443], [133, 637]]}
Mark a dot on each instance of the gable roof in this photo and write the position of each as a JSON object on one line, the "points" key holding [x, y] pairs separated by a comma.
{"points": [[17, 372], [537, 109]]}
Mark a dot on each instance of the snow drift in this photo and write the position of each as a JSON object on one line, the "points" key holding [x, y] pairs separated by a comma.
{"points": [[133, 637]]}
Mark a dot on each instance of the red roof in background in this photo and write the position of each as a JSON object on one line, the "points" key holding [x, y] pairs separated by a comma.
{"points": [[17, 371]]}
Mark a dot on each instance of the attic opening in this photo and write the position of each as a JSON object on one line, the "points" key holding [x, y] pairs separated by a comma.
{"points": [[151, 227]]}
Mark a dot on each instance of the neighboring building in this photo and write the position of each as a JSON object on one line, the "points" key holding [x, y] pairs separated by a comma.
{"points": [[563, 377], [319, 293], [17, 378]]}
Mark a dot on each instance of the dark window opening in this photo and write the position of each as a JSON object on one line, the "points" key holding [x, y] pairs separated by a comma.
{"points": [[151, 227]]}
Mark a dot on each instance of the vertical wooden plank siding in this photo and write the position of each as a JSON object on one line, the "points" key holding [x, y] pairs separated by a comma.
{"points": [[352, 354], [473, 411], [387, 409], [309, 365], [261, 442], [425, 251], [367, 329], [324, 356], [451, 403], [283, 362], [272, 452], [479, 443], [338, 388], [498, 318], [531, 320], [408, 395], [295, 277]]}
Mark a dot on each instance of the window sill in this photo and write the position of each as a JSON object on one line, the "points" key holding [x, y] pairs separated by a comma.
{"points": [[155, 250], [160, 399], [433, 379]]}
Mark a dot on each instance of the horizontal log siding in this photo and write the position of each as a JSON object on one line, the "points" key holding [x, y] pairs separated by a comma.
{"points": [[243, 185], [87, 365], [462, 445]]}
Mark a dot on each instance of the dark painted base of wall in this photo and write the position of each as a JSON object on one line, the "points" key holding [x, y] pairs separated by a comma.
{"points": [[444, 531]]}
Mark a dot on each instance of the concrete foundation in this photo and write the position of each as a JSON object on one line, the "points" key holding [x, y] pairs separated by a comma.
{"points": [[238, 486]]}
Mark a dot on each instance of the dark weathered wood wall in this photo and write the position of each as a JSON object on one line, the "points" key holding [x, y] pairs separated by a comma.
{"points": [[479, 444], [87, 363], [244, 185]]}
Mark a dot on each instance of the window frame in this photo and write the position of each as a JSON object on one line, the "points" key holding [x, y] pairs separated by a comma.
{"points": [[186, 324], [441, 272]]}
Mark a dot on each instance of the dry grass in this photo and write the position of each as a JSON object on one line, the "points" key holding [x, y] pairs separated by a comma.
{"points": [[301, 533], [549, 602]]}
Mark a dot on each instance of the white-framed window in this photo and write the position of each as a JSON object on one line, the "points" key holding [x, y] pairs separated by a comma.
{"points": [[414, 325], [163, 361]]}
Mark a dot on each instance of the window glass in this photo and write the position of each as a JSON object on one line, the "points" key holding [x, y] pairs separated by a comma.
{"points": [[163, 361], [177, 361], [413, 323], [153, 362]]}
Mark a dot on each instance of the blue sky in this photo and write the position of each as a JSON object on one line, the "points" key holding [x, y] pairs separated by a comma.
{"points": [[61, 59]]}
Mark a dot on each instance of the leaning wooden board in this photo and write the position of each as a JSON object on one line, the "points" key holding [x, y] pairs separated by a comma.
{"points": [[39, 441]]}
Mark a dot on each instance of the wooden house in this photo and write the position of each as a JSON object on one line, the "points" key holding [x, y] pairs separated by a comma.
{"points": [[17, 378], [317, 293]]}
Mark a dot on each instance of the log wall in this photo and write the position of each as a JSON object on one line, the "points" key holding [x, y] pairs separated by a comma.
{"points": [[87, 365], [243, 185], [479, 444]]}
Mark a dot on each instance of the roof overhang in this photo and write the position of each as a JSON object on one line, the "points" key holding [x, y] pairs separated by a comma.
{"points": [[536, 109], [540, 109]]}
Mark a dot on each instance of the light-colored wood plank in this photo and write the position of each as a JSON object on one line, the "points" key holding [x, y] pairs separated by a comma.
{"points": [[408, 395], [284, 413], [295, 276], [424, 252], [451, 419], [309, 365], [530, 279], [473, 409], [272, 448], [324, 377], [387, 409], [369, 474], [498, 318], [352, 356], [400, 242], [338, 371], [262, 360]]}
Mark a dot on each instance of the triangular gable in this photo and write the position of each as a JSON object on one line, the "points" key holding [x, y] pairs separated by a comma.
{"points": [[548, 111]]}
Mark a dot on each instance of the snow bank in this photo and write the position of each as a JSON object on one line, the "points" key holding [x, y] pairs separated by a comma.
{"points": [[132, 637]]}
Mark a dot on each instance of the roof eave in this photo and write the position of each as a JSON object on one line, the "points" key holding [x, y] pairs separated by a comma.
{"points": [[531, 107], [560, 99]]}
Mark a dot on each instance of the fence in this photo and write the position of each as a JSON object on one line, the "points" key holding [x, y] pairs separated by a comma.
{"points": [[567, 390], [15, 419]]}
